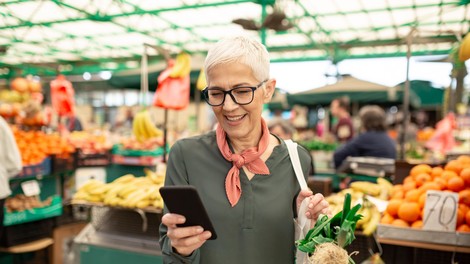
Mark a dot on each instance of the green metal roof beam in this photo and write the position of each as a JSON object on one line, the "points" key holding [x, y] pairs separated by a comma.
{"points": [[141, 12], [190, 30]]}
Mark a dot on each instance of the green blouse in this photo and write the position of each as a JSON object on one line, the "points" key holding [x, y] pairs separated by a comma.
{"points": [[260, 228]]}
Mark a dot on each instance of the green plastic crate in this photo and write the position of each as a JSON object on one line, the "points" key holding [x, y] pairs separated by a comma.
{"points": [[15, 218]]}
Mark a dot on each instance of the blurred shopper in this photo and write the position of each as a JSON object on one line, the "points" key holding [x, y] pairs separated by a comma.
{"points": [[244, 174], [282, 129], [343, 130], [374, 140], [10, 164]]}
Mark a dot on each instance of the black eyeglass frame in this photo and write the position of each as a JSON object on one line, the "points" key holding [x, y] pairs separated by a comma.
{"points": [[205, 92]]}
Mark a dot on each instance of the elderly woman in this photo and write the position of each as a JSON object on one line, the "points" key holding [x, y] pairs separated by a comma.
{"points": [[242, 172], [374, 140]]}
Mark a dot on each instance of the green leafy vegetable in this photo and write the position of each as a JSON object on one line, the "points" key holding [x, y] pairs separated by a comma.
{"points": [[339, 229]]}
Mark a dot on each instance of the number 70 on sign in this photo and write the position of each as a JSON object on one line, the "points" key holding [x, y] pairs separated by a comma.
{"points": [[440, 211]]}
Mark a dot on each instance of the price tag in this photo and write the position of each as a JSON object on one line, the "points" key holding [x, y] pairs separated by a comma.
{"points": [[440, 211], [31, 188]]}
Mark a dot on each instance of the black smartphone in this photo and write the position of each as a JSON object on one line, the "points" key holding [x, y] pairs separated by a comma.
{"points": [[185, 200]]}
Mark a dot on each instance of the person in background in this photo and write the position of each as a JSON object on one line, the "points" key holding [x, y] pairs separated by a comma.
{"points": [[10, 164], [282, 129], [374, 140], [242, 172], [343, 130]]}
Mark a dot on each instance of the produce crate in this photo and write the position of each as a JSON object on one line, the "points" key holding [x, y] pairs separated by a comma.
{"points": [[93, 160], [119, 150], [61, 164], [26, 232], [427, 236], [15, 218], [137, 160], [43, 168]]}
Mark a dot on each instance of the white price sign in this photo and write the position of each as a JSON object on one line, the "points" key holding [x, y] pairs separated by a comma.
{"points": [[30, 188], [440, 211]]}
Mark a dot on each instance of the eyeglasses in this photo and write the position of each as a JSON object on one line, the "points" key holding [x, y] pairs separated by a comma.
{"points": [[241, 95]]}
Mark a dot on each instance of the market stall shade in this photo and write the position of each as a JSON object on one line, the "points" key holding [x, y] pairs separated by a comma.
{"points": [[358, 91], [42, 36], [279, 101], [429, 95]]}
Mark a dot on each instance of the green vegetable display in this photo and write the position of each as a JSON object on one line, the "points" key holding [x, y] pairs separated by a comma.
{"points": [[338, 230]]}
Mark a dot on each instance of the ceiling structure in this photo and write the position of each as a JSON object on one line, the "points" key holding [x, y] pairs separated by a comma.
{"points": [[44, 37]]}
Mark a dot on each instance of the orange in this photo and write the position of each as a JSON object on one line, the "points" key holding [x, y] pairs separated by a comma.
{"points": [[400, 223], [421, 168], [409, 211], [395, 188], [465, 208], [430, 186], [460, 217], [467, 218], [417, 224], [455, 184], [464, 159], [411, 185], [422, 178], [408, 179], [400, 194], [463, 228], [454, 165], [412, 195], [446, 175], [387, 219], [422, 200], [465, 175], [442, 182], [436, 172], [464, 196], [393, 206]]}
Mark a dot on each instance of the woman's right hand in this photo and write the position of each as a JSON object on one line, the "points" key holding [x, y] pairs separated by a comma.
{"points": [[184, 240]]}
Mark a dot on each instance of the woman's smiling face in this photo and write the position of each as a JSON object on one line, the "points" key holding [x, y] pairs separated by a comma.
{"points": [[239, 121]]}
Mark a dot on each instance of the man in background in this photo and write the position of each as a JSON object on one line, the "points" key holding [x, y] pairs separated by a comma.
{"points": [[343, 130]]}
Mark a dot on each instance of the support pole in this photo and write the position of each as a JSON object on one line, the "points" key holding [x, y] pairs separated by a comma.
{"points": [[406, 96]]}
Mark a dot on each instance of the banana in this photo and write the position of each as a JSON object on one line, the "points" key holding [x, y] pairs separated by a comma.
{"points": [[135, 197], [81, 195], [158, 204], [143, 203], [366, 187], [124, 179], [154, 192], [182, 65], [366, 215], [90, 184], [126, 191], [136, 127], [151, 131], [370, 226], [100, 190], [385, 188]]}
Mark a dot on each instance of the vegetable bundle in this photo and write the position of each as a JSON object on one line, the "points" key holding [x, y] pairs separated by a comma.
{"points": [[328, 238]]}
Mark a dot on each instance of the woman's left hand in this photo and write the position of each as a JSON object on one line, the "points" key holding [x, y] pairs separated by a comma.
{"points": [[316, 206]]}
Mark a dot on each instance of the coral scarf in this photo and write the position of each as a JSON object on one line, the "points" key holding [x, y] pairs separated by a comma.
{"points": [[249, 158]]}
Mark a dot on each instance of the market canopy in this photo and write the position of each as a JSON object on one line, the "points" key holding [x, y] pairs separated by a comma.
{"points": [[71, 37], [429, 95], [358, 91]]}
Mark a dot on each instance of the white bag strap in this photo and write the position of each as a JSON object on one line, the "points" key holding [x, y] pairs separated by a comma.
{"points": [[294, 156]]}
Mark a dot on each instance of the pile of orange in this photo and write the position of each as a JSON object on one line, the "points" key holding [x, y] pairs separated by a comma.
{"points": [[406, 205], [35, 146]]}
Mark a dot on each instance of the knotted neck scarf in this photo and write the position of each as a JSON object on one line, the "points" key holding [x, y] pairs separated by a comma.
{"points": [[250, 158]]}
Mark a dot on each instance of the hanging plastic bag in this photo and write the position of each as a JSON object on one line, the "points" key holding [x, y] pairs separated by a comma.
{"points": [[172, 93], [443, 138], [62, 96]]}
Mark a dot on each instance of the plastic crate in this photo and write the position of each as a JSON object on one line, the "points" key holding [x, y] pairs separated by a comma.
{"points": [[26, 232], [63, 164], [119, 150], [93, 160], [15, 218], [43, 168], [137, 161]]}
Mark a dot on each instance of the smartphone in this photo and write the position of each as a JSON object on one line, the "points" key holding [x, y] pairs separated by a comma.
{"points": [[185, 200]]}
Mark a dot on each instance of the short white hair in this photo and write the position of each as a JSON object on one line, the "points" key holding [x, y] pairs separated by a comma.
{"points": [[240, 49]]}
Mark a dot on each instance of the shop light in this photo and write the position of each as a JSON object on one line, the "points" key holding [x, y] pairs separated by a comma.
{"points": [[105, 75], [86, 76]]}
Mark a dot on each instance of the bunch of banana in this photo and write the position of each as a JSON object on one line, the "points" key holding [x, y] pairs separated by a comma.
{"points": [[182, 66], [143, 127], [126, 191], [381, 189], [464, 50]]}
